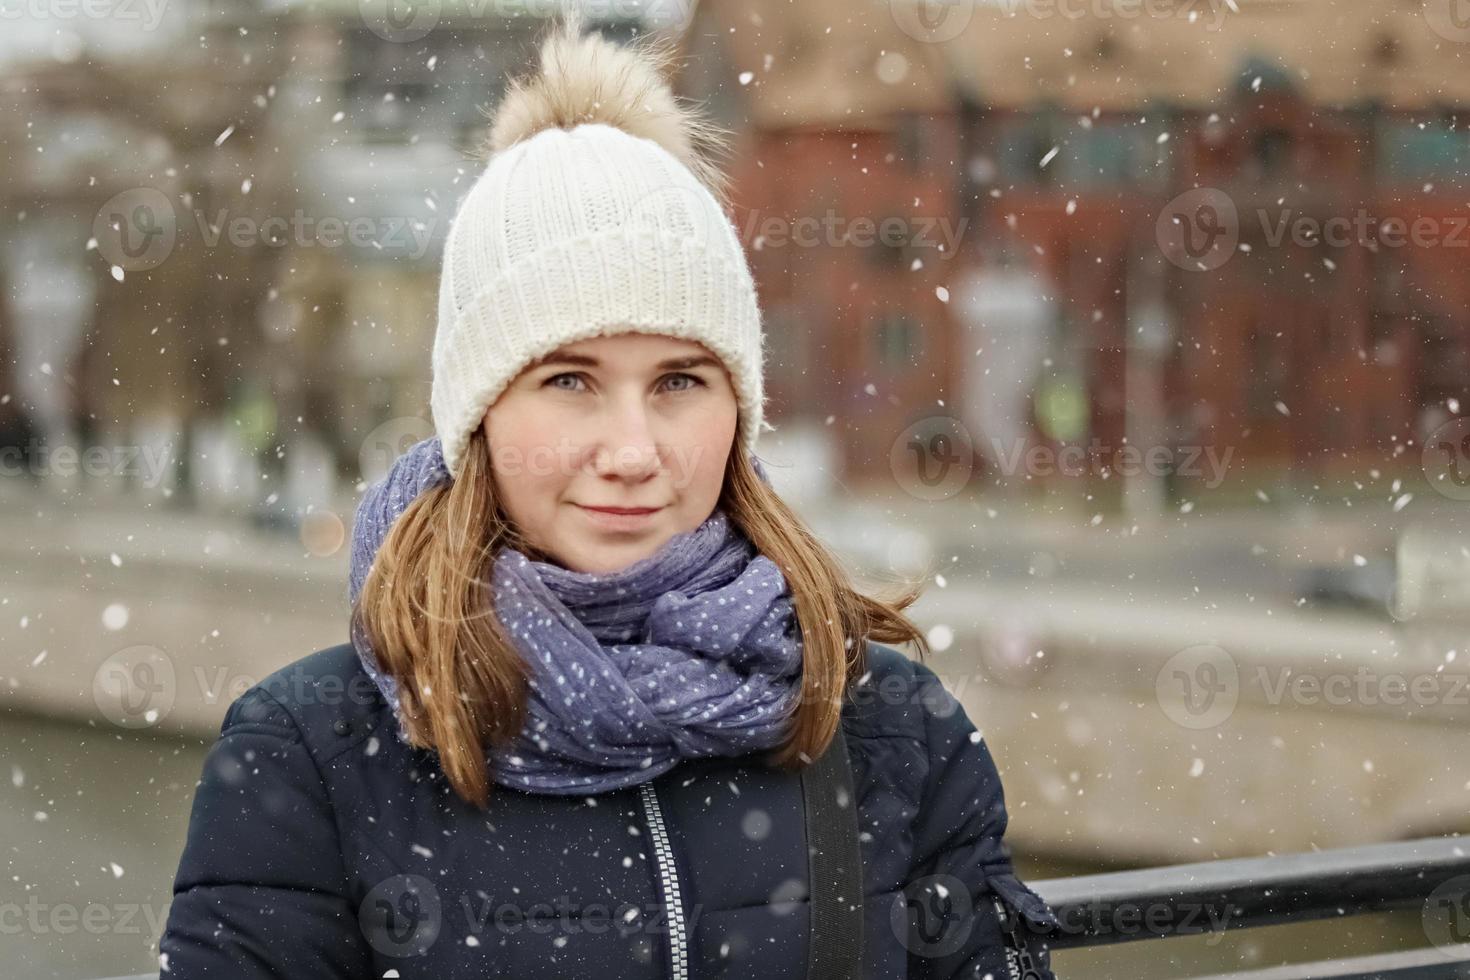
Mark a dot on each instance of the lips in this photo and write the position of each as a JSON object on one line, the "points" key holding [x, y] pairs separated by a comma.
{"points": [[620, 510], [621, 519]]}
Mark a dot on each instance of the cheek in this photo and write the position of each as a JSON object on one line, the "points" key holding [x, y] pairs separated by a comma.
{"points": [[528, 455], [511, 423], [520, 426], [705, 451]]}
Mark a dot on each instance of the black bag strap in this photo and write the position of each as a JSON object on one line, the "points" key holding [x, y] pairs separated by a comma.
{"points": [[836, 863]]}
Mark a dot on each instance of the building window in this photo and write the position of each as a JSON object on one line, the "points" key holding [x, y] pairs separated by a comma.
{"points": [[787, 358], [1266, 371], [908, 141], [1382, 327], [431, 88], [1334, 430], [1417, 152], [1326, 335], [1444, 346], [1016, 147], [898, 341], [1271, 152], [1389, 290], [890, 241], [1112, 153]]}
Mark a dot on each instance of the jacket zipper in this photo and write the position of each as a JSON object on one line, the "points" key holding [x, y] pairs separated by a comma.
{"points": [[663, 856], [1019, 961]]}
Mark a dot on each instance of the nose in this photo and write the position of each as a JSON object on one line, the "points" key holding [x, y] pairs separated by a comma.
{"points": [[627, 447]]}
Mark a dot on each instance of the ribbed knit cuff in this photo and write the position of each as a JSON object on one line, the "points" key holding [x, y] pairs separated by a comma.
{"points": [[630, 280]]}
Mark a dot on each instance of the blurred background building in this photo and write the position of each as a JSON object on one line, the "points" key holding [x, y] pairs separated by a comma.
{"points": [[1056, 142], [1231, 234], [1021, 166]]}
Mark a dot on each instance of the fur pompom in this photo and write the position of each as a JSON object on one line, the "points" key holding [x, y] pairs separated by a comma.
{"points": [[589, 79]]}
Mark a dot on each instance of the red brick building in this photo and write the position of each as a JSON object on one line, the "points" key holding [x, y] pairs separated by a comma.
{"points": [[1056, 143], [847, 163]]}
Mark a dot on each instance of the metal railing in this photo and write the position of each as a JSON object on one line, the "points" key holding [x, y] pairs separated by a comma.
{"points": [[1431, 876]]}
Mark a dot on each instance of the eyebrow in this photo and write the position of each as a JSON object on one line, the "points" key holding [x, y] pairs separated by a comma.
{"points": [[673, 364]]}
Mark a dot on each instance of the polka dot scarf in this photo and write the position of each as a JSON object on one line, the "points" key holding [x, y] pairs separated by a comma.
{"points": [[693, 651]]}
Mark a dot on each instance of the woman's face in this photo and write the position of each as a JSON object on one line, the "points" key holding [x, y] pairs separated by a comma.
{"points": [[632, 421]]}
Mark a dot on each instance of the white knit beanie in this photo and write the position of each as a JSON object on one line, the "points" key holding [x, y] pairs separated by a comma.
{"points": [[597, 214]]}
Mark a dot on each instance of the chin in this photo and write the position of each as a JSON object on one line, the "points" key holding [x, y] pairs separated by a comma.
{"points": [[605, 562]]}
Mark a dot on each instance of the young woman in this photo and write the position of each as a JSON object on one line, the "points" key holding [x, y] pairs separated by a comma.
{"points": [[593, 653]]}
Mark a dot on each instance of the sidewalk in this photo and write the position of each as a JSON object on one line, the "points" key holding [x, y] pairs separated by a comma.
{"points": [[194, 607], [226, 602]]}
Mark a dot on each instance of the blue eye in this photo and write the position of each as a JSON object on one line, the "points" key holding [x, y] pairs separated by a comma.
{"points": [[551, 381], [698, 381]]}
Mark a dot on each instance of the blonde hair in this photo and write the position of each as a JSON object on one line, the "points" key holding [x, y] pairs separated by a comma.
{"points": [[462, 682]]}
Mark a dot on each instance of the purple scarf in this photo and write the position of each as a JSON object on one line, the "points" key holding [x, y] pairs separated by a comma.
{"points": [[692, 651]]}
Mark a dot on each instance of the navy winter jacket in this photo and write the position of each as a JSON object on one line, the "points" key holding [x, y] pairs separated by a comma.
{"points": [[321, 846]]}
